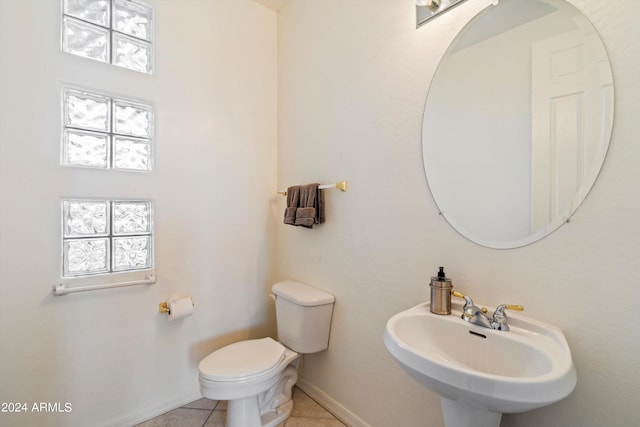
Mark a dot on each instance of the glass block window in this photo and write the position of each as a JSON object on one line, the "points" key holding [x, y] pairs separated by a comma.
{"points": [[102, 236], [118, 32], [102, 131]]}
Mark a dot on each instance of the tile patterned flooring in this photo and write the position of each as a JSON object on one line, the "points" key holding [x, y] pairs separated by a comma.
{"points": [[210, 413]]}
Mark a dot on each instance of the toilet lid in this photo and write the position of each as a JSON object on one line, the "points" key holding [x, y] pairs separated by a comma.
{"points": [[242, 359]]}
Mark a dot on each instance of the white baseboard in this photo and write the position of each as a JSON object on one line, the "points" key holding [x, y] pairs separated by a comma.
{"points": [[330, 404], [154, 410]]}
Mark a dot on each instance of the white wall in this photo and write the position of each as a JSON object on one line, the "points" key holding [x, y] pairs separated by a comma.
{"points": [[109, 353], [353, 77]]}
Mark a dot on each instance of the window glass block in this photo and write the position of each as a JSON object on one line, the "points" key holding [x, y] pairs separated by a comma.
{"points": [[131, 153], [85, 218], [85, 256], [131, 53], [132, 18], [131, 253], [86, 111], [106, 132], [132, 118], [95, 11], [83, 148], [131, 218], [80, 38]]}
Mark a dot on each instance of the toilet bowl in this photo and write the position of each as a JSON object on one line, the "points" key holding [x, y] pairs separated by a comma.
{"points": [[256, 376], [251, 376]]}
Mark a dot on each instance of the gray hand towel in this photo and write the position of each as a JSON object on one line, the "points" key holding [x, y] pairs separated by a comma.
{"points": [[309, 212], [293, 201], [319, 207]]}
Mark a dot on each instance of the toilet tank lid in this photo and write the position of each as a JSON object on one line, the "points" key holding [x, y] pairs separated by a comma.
{"points": [[302, 294]]}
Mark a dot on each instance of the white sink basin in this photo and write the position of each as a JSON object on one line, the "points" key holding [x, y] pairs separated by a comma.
{"points": [[481, 373]]}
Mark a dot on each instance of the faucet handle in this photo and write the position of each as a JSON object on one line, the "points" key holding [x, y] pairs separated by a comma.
{"points": [[457, 294], [467, 300], [468, 303], [500, 317], [470, 310]]}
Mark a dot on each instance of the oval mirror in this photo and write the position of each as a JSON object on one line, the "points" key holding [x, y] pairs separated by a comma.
{"points": [[517, 121]]}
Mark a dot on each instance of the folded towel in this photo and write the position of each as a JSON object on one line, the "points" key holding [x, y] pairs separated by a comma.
{"points": [[320, 207], [311, 209], [305, 217], [293, 201]]}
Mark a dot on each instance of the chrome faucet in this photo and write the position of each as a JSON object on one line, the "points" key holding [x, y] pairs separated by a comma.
{"points": [[473, 314], [499, 321], [478, 316]]}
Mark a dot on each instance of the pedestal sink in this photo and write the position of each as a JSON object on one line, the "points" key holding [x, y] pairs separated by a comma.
{"points": [[481, 373]]}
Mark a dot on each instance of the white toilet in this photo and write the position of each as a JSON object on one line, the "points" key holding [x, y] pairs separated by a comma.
{"points": [[256, 376]]}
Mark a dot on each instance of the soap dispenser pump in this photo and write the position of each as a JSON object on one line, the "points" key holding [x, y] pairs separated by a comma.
{"points": [[441, 288]]}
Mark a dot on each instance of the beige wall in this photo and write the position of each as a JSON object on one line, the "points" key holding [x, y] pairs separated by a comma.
{"points": [[109, 353], [353, 77]]}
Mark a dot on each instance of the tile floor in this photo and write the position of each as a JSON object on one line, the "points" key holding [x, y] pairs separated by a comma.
{"points": [[210, 413]]}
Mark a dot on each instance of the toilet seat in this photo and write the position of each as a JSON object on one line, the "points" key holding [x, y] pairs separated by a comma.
{"points": [[243, 360]]}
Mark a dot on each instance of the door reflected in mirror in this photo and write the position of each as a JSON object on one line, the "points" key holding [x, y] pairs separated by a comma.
{"points": [[517, 121]]}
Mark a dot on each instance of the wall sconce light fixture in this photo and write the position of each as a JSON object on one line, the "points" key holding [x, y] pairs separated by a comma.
{"points": [[427, 9]]}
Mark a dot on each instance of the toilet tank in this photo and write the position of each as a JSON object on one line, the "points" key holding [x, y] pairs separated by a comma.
{"points": [[303, 314]]}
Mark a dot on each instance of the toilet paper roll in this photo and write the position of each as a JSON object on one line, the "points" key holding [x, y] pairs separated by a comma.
{"points": [[179, 308]]}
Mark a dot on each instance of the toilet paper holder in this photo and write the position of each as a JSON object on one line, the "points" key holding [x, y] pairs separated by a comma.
{"points": [[163, 307]]}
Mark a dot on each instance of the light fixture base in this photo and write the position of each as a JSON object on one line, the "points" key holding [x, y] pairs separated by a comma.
{"points": [[427, 9]]}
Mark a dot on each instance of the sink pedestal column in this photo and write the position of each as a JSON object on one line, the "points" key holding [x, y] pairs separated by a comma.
{"points": [[460, 414]]}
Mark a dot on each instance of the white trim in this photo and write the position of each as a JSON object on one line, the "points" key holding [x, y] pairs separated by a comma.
{"points": [[152, 411], [330, 404]]}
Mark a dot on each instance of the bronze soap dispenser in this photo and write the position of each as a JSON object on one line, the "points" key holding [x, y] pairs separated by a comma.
{"points": [[441, 288]]}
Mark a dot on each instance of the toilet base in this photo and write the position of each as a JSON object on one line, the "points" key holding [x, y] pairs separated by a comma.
{"points": [[269, 409], [276, 418], [243, 413], [461, 414]]}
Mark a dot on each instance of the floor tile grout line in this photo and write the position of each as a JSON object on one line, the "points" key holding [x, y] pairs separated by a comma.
{"points": [[207, 420], [195, 409], [307, 417]]}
